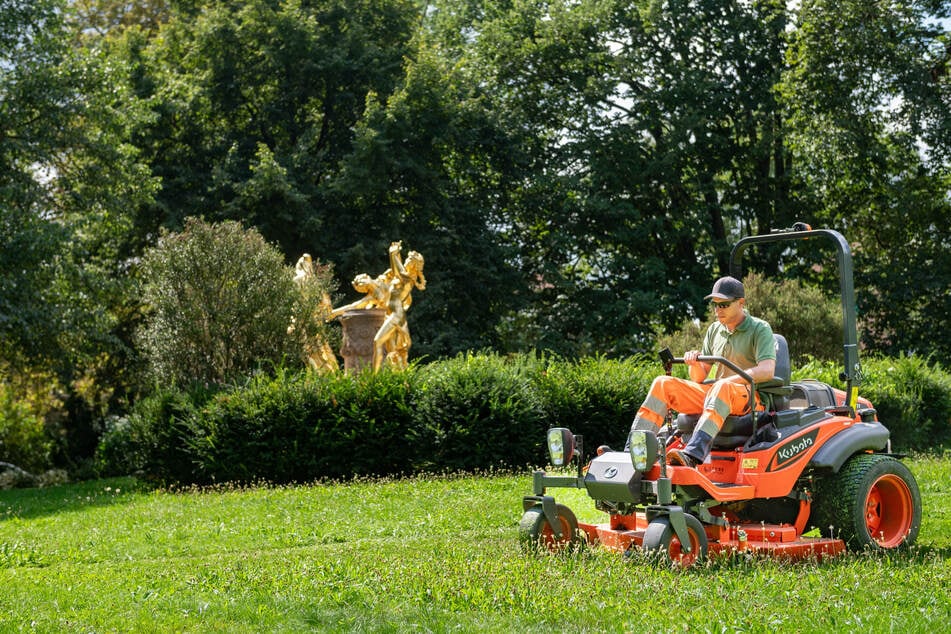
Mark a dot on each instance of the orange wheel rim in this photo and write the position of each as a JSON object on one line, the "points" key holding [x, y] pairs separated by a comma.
{"points": [[889, 511], [677, 554], [548, 535]]}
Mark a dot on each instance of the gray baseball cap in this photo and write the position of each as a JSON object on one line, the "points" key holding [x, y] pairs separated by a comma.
{"points": [[727, 288]]}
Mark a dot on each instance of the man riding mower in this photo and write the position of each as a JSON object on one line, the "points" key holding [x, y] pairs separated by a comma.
{"points": [[751, 461]]}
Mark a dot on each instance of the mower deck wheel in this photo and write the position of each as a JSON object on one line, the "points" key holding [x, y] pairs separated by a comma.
{"points": [[661, 537], [536, 532]]}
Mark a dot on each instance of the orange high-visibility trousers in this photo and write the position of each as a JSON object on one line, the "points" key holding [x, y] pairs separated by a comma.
{"points": [[713, 401]]}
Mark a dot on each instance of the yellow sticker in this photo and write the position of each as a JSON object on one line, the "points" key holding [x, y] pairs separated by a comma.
{"points": [[750, 463]]}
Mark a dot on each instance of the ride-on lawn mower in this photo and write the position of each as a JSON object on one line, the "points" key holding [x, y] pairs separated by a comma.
{"points": [[816, 458]]}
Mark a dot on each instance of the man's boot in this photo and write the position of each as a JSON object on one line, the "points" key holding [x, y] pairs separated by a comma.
{"points": [[694, 453]]}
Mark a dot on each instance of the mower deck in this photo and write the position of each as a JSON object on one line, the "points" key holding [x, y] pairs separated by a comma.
{"points": [[774, 540]]}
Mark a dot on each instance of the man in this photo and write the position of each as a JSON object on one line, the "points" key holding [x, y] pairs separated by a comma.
{"points": [[746, 341]]}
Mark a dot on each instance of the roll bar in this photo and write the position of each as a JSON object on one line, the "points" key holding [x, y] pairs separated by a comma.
{"points": [[852, 374]]}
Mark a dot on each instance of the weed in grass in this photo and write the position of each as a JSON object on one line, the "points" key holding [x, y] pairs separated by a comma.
{"points": [[18, 554]]}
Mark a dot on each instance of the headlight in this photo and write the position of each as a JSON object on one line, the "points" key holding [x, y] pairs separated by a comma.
{"points": [[561, 446], [643, 449]]}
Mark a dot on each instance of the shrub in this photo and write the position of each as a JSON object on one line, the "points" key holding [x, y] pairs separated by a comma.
{"points": [[478, 411], [369, 429], [810, 321], [155, 440], [924, 414], [258, 431], [912, 399], [297, 427], [23, 439], [221, 303], [470, 413]]}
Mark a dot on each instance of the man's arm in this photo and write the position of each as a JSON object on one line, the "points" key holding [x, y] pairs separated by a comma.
{"points": [[762, 371], [765, 354]]}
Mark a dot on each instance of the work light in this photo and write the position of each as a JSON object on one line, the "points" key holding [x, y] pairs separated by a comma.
{"points": [[561, 446], [643, 449]]}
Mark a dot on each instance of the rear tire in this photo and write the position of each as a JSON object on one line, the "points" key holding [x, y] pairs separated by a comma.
{"points": [[661, 537], [872, 502], [535, 532]]}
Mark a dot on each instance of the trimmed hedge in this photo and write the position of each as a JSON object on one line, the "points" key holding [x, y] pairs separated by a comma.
{"points": [[476, 412], [469, 413], [154, 439], [299, 426]]}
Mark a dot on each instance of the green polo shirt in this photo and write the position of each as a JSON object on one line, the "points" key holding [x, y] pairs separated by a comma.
{"points": [[750, 343]]}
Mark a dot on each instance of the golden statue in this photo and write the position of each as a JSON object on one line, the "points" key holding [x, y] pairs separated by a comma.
{"points": [[377, 294], [318, 353], [392, 292]]}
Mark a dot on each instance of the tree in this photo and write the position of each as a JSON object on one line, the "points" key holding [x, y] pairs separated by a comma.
{"points": [[67, 177], [328, 128], [254, 107], [574, 172], [64, 182], [652, 137], [34, 102], [430, 165], [869, 99]]}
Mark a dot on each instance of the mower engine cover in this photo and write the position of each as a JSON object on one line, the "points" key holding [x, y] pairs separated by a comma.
{"points": [[612, 477]]}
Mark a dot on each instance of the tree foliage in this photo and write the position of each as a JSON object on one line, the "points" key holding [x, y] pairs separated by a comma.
{"points": [[69, 175], [100, 18], [255, 105], [35, 101], [575, 171], [430, 163], [652, 136]]}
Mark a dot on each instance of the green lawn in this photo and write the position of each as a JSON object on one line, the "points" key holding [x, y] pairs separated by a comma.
{"points": [[436, 554]]}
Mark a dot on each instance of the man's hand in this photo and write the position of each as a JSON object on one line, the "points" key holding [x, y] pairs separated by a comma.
{"points": [[698, 370], [690, 357]]}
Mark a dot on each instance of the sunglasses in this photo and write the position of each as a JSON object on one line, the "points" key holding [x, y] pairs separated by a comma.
{"points": [[723, 305]]}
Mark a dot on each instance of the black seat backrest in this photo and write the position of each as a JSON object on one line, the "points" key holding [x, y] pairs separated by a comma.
{"points": [[778, 395], [783, 369]]}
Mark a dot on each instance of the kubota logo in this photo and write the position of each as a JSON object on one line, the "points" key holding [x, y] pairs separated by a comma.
{"points": [[792, 450]]}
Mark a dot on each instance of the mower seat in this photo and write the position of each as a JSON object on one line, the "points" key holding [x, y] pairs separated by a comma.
{"points": [[773, 395]]}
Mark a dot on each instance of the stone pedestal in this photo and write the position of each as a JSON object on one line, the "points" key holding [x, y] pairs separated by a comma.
{"points": [[359, 328]]}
